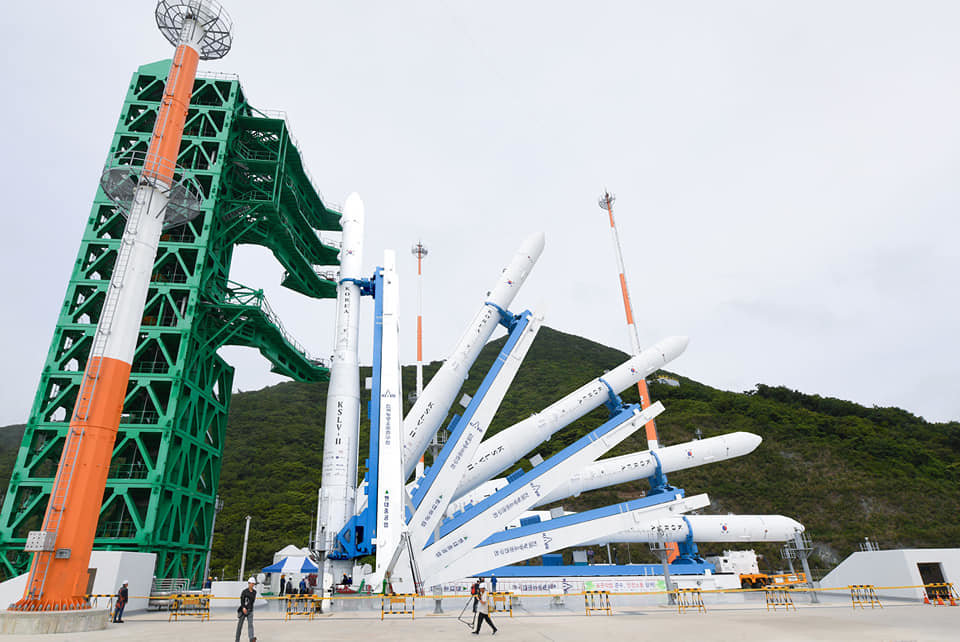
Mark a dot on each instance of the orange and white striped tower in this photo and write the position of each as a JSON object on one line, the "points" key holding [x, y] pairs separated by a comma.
{"points": [[606, 202], [419, 250], [58, 575]]}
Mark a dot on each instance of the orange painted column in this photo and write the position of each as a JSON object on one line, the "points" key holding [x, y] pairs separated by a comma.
{"points": [[58, 578]]}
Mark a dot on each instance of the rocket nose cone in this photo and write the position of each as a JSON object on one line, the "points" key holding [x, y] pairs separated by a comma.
{"points": [[533, 245], [748, 442], [353, 208], [795, 525], [673, 347]]}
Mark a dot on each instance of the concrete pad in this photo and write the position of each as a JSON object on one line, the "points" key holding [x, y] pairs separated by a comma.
{"points": [[58, 622], [729, 622]]}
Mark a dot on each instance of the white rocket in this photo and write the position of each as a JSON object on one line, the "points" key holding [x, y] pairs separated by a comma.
{"points": [[632, 467], [342, 424], [431, 407], [390, 506], [729, 529], [508, 446]]}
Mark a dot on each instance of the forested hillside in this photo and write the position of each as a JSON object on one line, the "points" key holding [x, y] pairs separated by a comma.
{"points": [[843, 470]]}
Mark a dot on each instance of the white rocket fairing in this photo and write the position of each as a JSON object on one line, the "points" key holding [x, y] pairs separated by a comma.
{"points": [[342, 423], [432, 406], [632, 467], [508, 446], [728, 529]]}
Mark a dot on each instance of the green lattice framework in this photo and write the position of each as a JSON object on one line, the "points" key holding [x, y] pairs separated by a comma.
{"points": [[166, 462]]}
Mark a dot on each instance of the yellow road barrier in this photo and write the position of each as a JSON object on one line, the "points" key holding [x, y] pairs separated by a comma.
{"points": [[941, 594], [861, 594], [397, 605], [597, 601], [691, 598], [779, 596], [501, 602], [301, 606], [186, 605]]}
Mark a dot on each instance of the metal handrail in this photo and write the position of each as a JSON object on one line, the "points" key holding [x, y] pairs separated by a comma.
{"points": [[238, 294]]}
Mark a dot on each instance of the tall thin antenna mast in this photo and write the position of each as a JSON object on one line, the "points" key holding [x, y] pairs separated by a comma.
{"points": [[419, 250], [606, 202]]}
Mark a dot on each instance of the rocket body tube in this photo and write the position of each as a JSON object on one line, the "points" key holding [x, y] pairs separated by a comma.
{"points": [[390, 507], [431, 407], [632, 467], [641, 465], [342, 422], [730, 529], [506, 447]]}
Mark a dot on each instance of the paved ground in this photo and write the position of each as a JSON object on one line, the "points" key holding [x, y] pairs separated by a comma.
{"points": [[725, 622]]}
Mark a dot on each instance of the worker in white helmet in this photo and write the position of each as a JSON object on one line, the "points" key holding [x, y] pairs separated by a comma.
{"points": [[245, 612]]}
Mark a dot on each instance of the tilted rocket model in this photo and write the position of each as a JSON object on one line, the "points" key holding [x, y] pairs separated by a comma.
{"points": [[431, 408], [728, 529], [612, 471], [342, 432], [508, 446]]}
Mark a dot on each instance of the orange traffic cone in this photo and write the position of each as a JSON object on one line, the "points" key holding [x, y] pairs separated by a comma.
{"points": [[926, 598], [953, 601], [939, 600]]}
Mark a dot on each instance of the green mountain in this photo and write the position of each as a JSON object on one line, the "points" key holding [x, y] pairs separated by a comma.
{"points": [[844, 470]]}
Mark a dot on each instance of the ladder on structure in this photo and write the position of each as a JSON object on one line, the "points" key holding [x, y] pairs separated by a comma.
{"points": [[407, 545]]}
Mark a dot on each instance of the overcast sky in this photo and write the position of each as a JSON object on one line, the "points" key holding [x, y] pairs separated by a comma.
{"points": [[786, 173]]}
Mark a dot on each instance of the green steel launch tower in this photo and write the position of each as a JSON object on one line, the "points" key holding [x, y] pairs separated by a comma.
{"points": [[165, 469]]}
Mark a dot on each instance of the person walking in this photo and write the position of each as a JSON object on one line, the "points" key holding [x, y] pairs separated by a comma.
{"points": [[245, 612], [123, 596], [475, 592], [483, 607]]}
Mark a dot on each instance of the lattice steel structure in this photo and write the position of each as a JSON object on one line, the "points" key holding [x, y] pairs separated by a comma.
{"points": [[163, 478]]}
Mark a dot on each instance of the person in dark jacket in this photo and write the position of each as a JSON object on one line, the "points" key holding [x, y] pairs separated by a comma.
{"points": [[283, 584], [303, 586], [245, 612], [123, 595]]}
